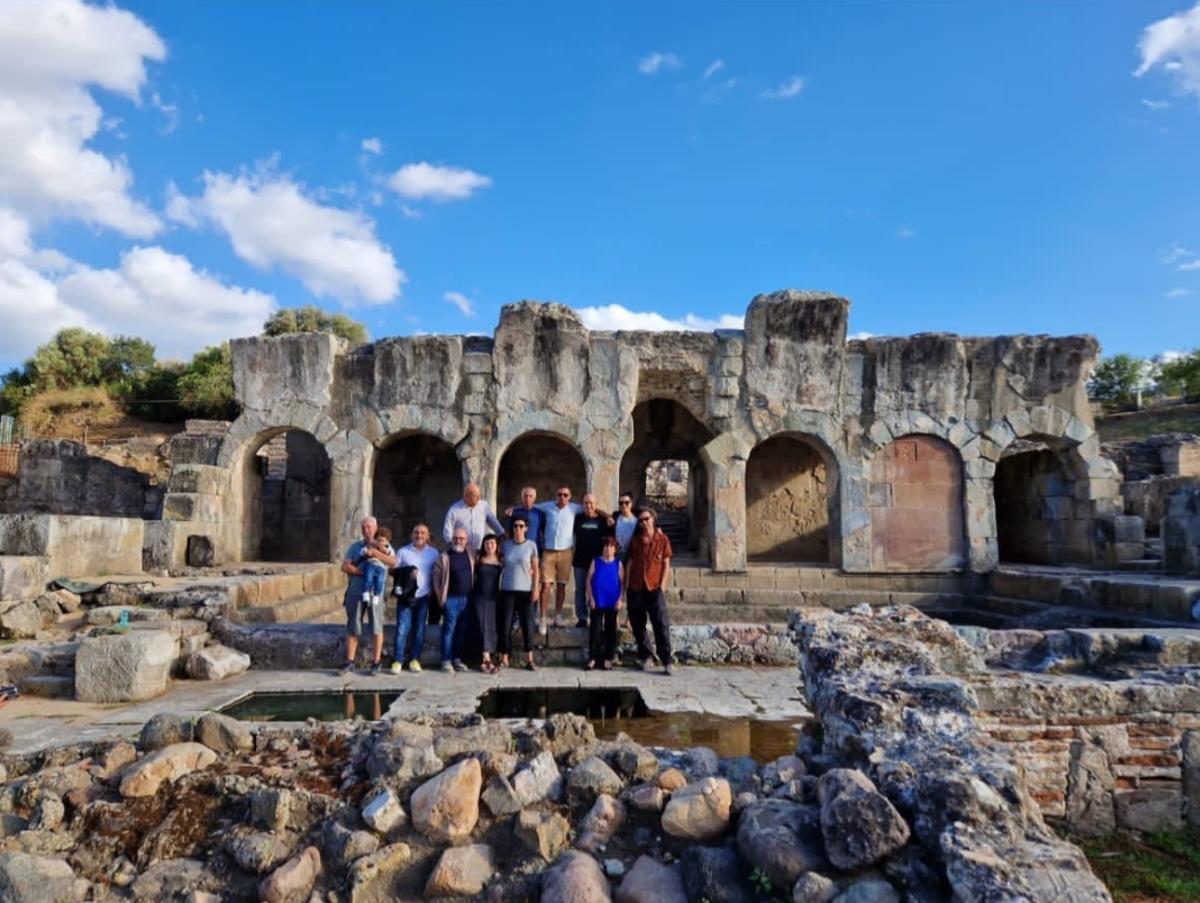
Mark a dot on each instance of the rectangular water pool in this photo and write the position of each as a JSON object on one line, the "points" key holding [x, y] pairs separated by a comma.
{"points": [[366, 705]]}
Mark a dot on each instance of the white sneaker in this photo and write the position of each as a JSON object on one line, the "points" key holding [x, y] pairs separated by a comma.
{"points": [[414, 666], [558, 620], [366, 596], [397, 668]]}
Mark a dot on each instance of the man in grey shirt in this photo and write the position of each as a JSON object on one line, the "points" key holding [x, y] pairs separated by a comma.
{"points": [[474, 515]]}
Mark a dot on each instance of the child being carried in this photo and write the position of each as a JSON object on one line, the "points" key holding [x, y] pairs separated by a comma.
{"points": [[375, 572]]}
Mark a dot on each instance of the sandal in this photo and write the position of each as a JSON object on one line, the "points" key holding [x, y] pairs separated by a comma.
{"points": [[608, 665], [487, 668], [531, 666]]}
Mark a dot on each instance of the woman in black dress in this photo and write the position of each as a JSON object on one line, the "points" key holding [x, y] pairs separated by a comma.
{"points": [[484, 593]]}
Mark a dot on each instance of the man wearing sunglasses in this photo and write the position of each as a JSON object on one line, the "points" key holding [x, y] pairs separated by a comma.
{"points": [[647, 576]]}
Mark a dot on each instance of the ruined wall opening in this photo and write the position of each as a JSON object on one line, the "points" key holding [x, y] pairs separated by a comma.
{"points": [[790, 483], [545, 462], [286, 499], [417, 478], [666, 431], [916, 505], [1038, 519]]}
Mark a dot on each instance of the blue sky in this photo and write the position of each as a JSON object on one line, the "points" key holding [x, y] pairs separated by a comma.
{"points": [[180, 169]]}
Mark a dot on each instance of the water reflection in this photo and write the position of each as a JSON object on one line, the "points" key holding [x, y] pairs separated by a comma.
{"points": [[321, 706]]}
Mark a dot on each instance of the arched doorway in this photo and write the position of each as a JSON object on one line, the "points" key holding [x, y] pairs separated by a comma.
{"points": [[417, 478], [669, 436], [543, 461], [789, 485], [285, 499], [916, 505], [1036, 508]]}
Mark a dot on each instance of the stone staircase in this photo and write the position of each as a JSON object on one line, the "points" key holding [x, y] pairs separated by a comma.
{"points": [[676, 525], [1151, 560], [311, 593]]}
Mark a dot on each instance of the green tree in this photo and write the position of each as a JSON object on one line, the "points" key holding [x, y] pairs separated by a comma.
{"points": [[1118, 379], [15, 389], [1181, 376], [128, 360], [206, 384], [313, 319], [74, 357]]}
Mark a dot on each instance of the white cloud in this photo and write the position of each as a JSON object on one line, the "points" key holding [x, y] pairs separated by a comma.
{"points": [[464, 304], [1156, 105], [169, 110], [1177, 293], [52, 52], [418, 181], [653, 63], [860, 336], [1189, 265], [615, 317], [154, 294], [14, 234], [786, 90], [906, 232], [719, 90], [271, 223], [372, 146], [713, 68], [1174, 43]]}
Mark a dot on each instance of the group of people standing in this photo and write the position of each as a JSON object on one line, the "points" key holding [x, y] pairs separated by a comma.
{"points": [[504, 576]]}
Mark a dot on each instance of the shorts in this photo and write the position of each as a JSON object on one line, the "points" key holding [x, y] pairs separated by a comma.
{"points": [[363, 617], [556, 565]]}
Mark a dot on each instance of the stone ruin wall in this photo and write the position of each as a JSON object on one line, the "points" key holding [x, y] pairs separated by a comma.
{"points": [[545, 383]]}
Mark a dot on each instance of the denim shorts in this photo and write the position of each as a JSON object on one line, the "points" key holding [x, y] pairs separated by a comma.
{"points": [[363, 617]]}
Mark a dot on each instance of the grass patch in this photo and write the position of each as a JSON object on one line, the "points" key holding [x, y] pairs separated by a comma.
{"points": [[1183, 418], [69, 411], [1158, 868]]}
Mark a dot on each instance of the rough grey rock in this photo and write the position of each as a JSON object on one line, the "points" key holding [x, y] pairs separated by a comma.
{"points": [[216, 662], [257, 852], [20, 621], [168, 764], [538, 781], [383, 812], [293, 881], [601, 824], [545, 833], [173, 878], [341, 846], [590, 778], [782, 839], [566, 732], [404, 758], [47, 812], [715, 874], [812, 887], [35, 879], [223, 734], [1090, 786], [375, 878], [128, 667], [490, 736], [860, 825], [649, 881], [164, 729], [701, 762], [871, 891], [700, 810], [574, 878], [445, 808], [635, 762]]}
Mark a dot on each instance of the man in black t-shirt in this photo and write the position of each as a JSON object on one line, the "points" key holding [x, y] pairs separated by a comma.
{"points": [[591, 526]]}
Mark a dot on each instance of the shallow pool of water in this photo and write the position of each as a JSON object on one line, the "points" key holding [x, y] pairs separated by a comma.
{"points": [[613, 711], [340, 706]]}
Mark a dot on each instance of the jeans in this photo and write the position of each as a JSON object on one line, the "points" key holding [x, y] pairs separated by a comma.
{"points": [[650, 604], [581, 603], [374, 580], [411, 618], [454, 628]]}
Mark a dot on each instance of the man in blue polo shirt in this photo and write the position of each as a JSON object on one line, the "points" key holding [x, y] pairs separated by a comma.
{"points": [[532, 516], [359, 609]]}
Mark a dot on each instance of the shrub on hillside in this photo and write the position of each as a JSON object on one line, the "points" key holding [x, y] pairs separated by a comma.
{"points": [[68, 411]]}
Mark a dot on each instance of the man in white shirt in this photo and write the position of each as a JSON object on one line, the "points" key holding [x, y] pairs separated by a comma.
{"points": [[558, 548], [474, 515], [412, 616]]}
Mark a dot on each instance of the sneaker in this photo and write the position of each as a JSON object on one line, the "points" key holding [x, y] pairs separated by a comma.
{"points": [[414, 666], [581, 625], [558, 620], [669, 670], [397, 668], [366, 597], [447, 668], [543, 626], [347, 668], [459, 665], [646, 664], [375, 668]]}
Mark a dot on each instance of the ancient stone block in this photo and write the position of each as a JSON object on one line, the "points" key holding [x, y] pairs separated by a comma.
{"points": [[125, 667]]}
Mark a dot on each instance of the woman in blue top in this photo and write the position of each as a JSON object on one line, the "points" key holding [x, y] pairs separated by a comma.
{"points": [[604, 581]]}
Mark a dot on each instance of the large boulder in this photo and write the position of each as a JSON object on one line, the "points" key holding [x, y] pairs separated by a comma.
{"points": [[446, 808], [461, 871], [590, 778], [128, 667], [538, 781], [700, 810], [404, 753], [860, 825], [165, 729], [649, 881], [383, 812], [293, 881], [375, 878], [257, 852], [223, 734], [216, 663], [544, 833], [35, 879], [574, 878], [782, 839], [601, 823], [20, 621], [170, 763], [173, 879], [715, 874], [343, 846]]}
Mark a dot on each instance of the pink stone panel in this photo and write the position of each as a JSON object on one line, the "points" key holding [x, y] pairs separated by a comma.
{"points": [[916, 504]]}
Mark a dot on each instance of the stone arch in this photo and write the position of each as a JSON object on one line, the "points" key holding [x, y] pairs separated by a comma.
{"points": [[285, 497], [916, 505], [792, 500], [666, 431], [543, 460], [416, 476], [1039, 519]]}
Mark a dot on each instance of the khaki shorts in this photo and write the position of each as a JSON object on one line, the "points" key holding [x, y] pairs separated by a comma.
{"points": [[556, 565]]}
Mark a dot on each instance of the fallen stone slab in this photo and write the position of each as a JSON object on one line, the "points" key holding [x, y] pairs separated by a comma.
{"points": [[129, 667], [446, 808], [216, 662], [461, 871], [20, 620], [223, 734], [35, 879], [170, 763]]}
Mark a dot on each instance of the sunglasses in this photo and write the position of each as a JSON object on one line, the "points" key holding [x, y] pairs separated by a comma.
{"points": [[562, 495], [645, 520]]}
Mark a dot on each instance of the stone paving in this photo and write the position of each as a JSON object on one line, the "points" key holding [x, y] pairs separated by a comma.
{"points": [[769, 694]]}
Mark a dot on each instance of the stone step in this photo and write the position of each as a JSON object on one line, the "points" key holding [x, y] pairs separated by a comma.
{"points": [[309, 607], [1141, 564], [48, 686], [819, 577], [1007, 605], [733, 600]]}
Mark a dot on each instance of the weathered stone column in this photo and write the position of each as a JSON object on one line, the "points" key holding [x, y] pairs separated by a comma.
{"points": [[726, 458], [979, 511], [854, 519], [351, 457], [602, 454]]}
